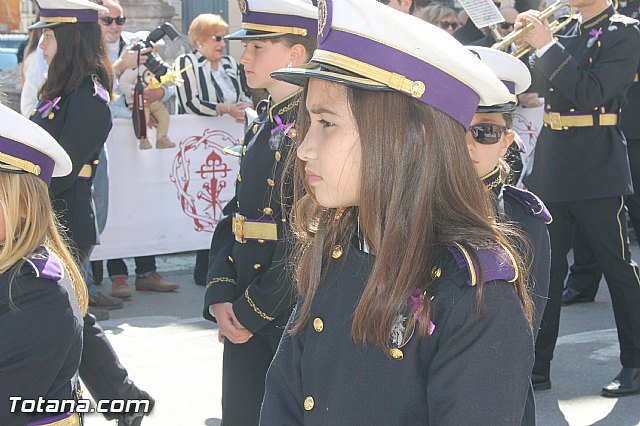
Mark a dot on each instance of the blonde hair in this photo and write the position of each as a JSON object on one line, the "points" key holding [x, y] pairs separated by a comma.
{"points": [[29, 223], [205, 25], [435, 12]]}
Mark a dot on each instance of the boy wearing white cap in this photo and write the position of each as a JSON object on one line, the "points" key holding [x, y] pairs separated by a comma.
{"points": [[250, 290], [412, 304], [488, 139], [42, 294]]}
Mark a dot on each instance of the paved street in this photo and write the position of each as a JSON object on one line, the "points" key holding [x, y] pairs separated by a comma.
{"points": [[173, 353]]}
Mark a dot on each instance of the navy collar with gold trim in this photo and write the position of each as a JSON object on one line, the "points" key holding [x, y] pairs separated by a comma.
{"points": [[286, 109], [493, 181], [599, 19]]}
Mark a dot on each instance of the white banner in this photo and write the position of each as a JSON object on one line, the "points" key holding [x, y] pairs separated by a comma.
{"points": [[527, 123], [168, 200]]}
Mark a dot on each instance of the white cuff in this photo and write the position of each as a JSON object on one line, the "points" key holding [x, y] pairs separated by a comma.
{"points": [[544, 48]]}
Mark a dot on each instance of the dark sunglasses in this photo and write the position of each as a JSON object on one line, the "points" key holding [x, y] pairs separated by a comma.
{"points": [[487, 133], [107, 20], [506, 25], [446, 24], [217, 38], [498, 4]]}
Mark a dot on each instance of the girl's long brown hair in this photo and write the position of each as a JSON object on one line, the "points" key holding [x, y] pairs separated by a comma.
{"points": [[81, 52], [418, 191]]}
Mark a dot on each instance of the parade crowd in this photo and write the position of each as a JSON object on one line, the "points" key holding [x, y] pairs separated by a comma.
{"points": [[387, 231]]}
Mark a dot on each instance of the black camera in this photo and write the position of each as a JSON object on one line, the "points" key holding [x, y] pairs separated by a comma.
{"points": [[154, 63]]}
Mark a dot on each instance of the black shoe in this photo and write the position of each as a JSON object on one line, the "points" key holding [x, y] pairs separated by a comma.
{"points": [[627, 382], [571, 296], [100, 313], [541, 382], [101, 300]]}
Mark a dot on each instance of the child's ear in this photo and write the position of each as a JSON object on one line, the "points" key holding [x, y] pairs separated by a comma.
{"points": [[297, 55], [508, 139]]}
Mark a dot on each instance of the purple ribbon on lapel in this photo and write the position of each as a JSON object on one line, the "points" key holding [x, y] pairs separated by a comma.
{"points": [[595, 33], [281, 126], [50, 104], [415, 302]]}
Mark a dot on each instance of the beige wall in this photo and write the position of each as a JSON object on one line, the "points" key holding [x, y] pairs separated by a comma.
{"points": [[235, 19]]}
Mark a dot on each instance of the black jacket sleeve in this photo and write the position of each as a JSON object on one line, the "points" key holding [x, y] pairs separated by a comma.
{"points": [[221, 277]]}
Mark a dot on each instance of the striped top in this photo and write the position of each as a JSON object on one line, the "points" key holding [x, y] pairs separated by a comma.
{"points": [[201, 92]]}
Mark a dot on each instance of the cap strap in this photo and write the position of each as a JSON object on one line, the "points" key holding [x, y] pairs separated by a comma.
{"points": [[393, 80], [274, 29], [60, 19], [25, 157], [21, 164]]}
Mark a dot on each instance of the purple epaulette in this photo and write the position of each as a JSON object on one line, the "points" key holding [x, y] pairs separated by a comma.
{"points": [[530, 201], [99, 91], [45, 265], [495, 263]]}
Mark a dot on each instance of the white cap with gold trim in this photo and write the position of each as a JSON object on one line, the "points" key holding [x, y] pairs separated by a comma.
{"points": [[263, 19], [58, 12], [26, 147], [366, 44]]}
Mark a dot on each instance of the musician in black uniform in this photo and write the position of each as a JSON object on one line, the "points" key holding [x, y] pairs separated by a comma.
{"points": [[397, 238], [584, 276], [581, 169], [488, 139], [249, 290], [73, 108], [42, 295]]}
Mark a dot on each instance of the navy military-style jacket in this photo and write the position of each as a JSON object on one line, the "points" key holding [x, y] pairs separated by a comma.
{"points": [[80, 122], [530, 215], [40, 335], [474, 367], [588, 73], [253, 274], [631, 112]]}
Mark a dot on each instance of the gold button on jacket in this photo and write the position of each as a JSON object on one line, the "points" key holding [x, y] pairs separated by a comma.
{"points": [[308, 403], [318, 325]]}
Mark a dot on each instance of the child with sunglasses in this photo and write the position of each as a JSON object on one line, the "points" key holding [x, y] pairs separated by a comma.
{"points": [[488, 139], [413, 307], [250, 289]]}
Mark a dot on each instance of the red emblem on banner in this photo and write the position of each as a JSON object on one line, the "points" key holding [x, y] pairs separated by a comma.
{"points": [[204, 177]]}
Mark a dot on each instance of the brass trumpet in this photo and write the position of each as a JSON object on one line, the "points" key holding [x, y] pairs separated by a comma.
{"points": [[554, 26]]}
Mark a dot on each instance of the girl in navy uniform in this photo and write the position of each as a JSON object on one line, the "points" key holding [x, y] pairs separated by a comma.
{"points": [[488, 139], [74, 109], [413, 307], [249, 290], [42, 295]]}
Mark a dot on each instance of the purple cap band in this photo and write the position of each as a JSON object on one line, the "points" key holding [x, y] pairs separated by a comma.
{"points": [[25, 152], [83, 15], [443, 91], [510, 85], [263, 18]]}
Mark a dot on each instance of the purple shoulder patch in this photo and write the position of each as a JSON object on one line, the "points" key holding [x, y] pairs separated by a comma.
{"points": [[45, 264], [495, 263], [100, 92], [530, 201]]}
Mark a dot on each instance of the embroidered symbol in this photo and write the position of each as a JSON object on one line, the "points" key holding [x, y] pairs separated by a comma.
{"points": [[203, 198], [322, 17], [242, 4]]}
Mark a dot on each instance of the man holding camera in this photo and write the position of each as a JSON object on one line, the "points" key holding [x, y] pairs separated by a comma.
{"points": [[123, 57]]}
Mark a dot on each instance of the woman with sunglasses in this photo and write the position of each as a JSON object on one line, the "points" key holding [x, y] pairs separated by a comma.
{"points": [[488, 139], [412, 307], [441, 16], [212, 83]]}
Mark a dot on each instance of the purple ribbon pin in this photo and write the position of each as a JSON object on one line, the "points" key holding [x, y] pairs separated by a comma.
{"points": [[48, 106], [595, 33], [281, 126], [415, 304]]}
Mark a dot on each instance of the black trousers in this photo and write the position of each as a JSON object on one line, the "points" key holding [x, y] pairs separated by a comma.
{"points": [[144, 265], [585, 275], [607, 236], [100, 368], [244, 369]]}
